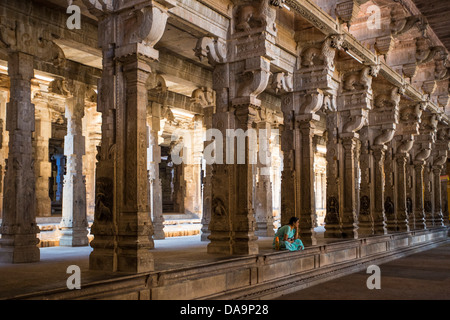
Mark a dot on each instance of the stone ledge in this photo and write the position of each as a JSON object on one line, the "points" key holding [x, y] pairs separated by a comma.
{"points": [[259, 276]]}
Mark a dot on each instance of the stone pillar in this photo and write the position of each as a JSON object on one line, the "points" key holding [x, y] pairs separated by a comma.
{"points": [[438, 219], [74, 221], [419, 213], [92, 132], [276, 176], [134, 224], [122, 226], [241, 72], [19, 229], [3, 145], [379, 218], [390, 190], [289, 187], [349, 217], [207, 192], [410, 194], [445, 190], [154, 159], [307, 195], [192, 170], [333, 179], [402, 223], [42, 164], [428, 202], [366, 196], [263, 192]]}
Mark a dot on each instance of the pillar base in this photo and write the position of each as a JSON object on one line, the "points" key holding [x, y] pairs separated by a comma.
{"points": [[129, 262], [350, 231], [365, 228], [204, 236], [245, 245], [74, 238], [158, 234], [21, 252], [264, 231]]}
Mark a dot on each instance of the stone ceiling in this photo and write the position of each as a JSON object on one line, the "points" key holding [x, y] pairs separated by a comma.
{"points": [[437, 13]]}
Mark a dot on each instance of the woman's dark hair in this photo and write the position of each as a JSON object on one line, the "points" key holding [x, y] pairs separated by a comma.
{"points": [[293, 220]]}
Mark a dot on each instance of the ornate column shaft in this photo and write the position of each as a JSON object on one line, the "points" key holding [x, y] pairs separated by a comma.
{"points": [[19, 229], [390, 189], [366, 197], [263, 188], [154, 159], [289, 174], [192, 169], [438, 219], [444, 194], [74, 222], [42, 164], [207, 192], [349, 217], [379, 218], [402, 223], [333, 179], [122, 226], [134, 224], [428, 197], [419, 213], [307, 196], [4, 145]]}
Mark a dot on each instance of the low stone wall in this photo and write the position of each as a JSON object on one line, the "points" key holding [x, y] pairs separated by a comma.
{"points": [[261, 276]]}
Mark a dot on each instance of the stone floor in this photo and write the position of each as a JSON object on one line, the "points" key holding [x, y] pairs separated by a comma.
{"points": [[421, 276], [50, 272]]}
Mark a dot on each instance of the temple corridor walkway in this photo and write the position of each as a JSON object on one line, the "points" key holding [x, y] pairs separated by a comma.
{"points": [[421, 276]]}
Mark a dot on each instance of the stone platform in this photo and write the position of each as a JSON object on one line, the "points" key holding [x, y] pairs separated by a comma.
{"points": [[183, 269]]}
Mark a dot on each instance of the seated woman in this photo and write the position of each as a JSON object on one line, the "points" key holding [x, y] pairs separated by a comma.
{"points": [[288, 236]]}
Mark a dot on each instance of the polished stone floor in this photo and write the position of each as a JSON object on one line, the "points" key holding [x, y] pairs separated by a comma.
{"points": [[420, 276]]}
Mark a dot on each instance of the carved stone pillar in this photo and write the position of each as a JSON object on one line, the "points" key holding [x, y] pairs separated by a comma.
{"points": [[4, 145], [192, 170], [419, 213], [401, 209], [313, 83], [349, 216], [263, 188], [409, 124], [444, 194], [354, 102], [122, 226], [410, 194], [42, 164], [154, 159], [366, 196], [428, 203], [289, 135], [438, 220], [241, 73], [379, 218], [207, 192], [19, 229], [74, 222], [333, 179], [390, 190], [307, 195]]}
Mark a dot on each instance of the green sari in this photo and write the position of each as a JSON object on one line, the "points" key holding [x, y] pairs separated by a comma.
{"points": [[286, 245]]}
